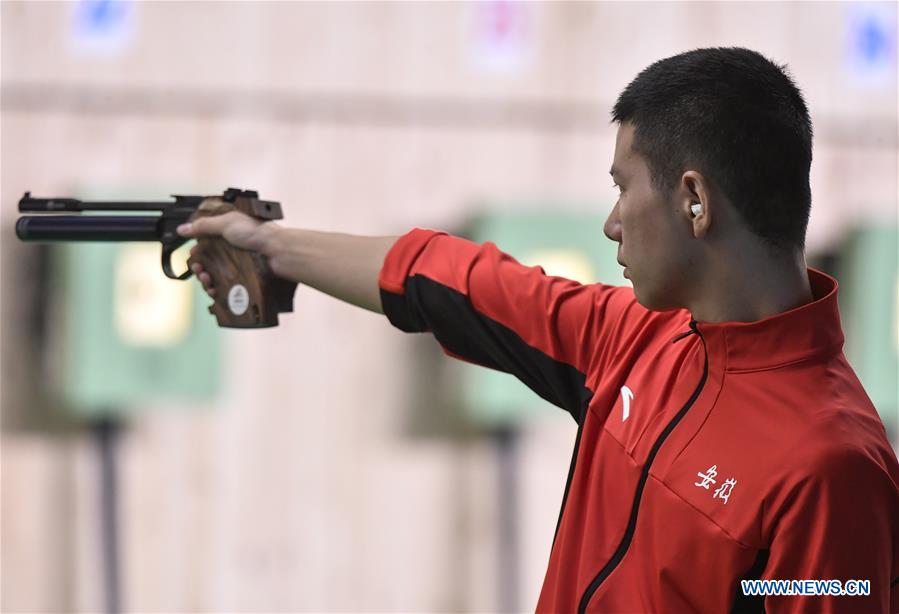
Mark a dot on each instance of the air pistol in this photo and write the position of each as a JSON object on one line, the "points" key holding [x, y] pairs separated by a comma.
{"points": [[247, 293]]}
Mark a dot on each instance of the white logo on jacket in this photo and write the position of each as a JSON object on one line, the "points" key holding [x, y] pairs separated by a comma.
{"points": [[626, 395]]}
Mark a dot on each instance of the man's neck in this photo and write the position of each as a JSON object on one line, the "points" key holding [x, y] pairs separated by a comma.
{"points": [[751, 285]]}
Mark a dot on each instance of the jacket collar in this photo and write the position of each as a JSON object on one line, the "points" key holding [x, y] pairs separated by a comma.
{"points": [[807, 332]]}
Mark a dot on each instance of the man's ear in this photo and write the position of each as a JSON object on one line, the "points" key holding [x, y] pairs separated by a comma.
{"points": [[696, 202]]}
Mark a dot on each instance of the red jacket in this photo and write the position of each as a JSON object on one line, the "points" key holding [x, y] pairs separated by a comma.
{"points": [[705, 453]]}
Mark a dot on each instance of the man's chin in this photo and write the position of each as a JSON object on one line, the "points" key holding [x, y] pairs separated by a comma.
{"points": [[654, 301]]}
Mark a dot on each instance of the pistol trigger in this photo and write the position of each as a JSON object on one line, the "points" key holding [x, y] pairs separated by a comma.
{"points": [[167, 250]]}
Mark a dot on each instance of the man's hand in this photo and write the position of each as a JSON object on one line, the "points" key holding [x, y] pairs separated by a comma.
{"points": [[238, 229]]}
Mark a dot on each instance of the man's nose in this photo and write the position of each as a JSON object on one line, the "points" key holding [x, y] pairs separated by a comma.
{"points": [[612, 227]]}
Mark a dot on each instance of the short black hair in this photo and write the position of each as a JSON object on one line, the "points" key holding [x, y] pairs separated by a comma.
{"points": [[739, 119]]}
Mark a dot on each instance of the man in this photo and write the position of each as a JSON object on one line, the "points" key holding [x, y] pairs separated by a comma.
{"points": [[722, 436]]}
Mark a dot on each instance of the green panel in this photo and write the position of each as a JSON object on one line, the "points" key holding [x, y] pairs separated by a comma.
{"points": [[131, 334], [869, 305], [564, 243]]}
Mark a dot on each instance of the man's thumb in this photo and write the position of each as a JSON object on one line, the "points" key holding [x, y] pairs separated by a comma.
{"points": [[203, 226]]}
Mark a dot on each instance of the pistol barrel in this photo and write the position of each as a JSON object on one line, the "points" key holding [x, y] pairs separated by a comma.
{"points": [[88, 228], [27, 204]]}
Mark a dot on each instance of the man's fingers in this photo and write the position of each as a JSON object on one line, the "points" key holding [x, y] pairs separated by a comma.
{"points": [[214, 225], [204, 277]]}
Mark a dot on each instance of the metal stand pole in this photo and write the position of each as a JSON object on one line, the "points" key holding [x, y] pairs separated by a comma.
{"points": [[507, 440], [106, 432]]}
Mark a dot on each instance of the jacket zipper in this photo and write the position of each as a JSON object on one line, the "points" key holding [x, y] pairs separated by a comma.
{"points": [[644, 475]]}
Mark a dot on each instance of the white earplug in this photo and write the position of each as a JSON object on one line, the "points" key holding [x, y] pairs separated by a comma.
{"points": [[695, 208]]}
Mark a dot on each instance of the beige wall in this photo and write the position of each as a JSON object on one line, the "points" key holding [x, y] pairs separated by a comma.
{"points": [[301, 489]]}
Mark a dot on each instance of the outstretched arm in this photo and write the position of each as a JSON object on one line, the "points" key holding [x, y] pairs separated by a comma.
{"points": [[480, 304]]}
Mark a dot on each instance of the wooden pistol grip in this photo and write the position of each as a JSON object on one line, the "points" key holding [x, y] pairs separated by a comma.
{"points": [[247, 293]]}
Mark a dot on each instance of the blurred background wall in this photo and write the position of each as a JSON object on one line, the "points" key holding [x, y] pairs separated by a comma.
{"points": [[306, 483]]}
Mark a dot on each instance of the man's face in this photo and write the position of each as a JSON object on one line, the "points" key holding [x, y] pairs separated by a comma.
{"points": [[651, 232]]}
